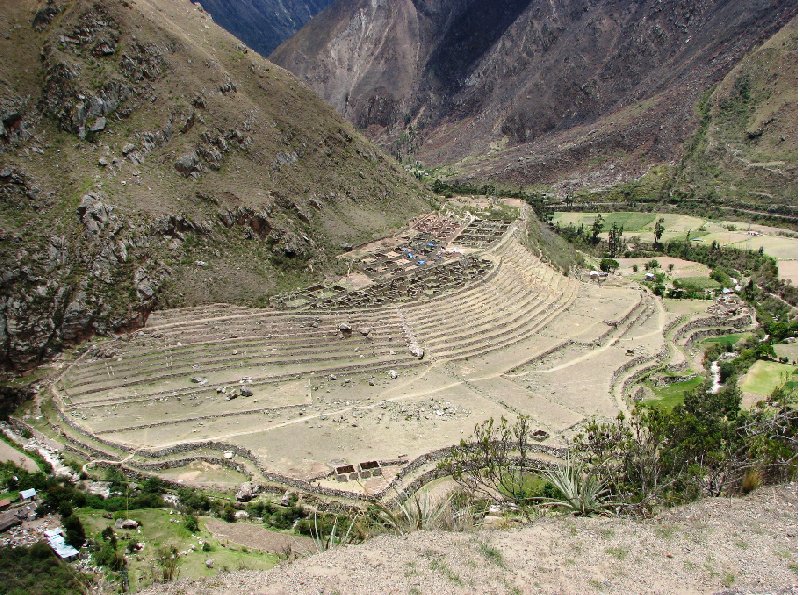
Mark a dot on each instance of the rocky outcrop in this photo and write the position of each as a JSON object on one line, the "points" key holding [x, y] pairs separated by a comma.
{"points": [[72, 95], [210, 153]]}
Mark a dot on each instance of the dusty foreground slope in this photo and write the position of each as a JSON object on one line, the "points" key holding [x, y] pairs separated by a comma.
{"points": [[718, 545]]}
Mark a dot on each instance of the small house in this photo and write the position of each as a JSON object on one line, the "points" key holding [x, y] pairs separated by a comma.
{"points": [[55, 537], [27, 495]]}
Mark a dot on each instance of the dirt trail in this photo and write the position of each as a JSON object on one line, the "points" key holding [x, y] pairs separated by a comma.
{"points": [[718, 545]]}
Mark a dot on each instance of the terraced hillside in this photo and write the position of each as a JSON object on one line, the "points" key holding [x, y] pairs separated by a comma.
{"points": [[327, 395]]}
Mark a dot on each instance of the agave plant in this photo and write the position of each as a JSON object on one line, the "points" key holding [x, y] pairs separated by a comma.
{"points": [[424, 512], [331, 541], [581, 493]]}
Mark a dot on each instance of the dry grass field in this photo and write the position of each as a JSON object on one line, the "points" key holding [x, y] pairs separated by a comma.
{"points": [[401, 367]]}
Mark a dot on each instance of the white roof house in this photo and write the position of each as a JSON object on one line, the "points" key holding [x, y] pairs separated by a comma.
{"points": [[28, 494], [55, 537]]}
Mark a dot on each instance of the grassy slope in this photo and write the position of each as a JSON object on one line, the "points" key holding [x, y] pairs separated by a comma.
{"points": [[746, 150], [763, 377], [160, 528]]}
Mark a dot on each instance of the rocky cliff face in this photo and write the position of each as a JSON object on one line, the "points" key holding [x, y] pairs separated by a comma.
{"points": [[147, 158], [528, 91], [263, 24]]}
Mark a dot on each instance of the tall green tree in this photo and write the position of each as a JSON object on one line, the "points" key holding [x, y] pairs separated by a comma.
{"points": [[659, 230], [597, 228]]}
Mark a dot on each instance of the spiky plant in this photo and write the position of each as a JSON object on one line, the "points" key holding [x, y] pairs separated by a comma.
{"points": [[581, 493], [331, 541]]}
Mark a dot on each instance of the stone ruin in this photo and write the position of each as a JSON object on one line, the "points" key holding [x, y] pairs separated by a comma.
{"points": [[361, 471], [482, 233], [413, 283]]}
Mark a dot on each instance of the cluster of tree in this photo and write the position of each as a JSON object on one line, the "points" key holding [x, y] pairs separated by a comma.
{"points": [[706, 446], [36, 569]]}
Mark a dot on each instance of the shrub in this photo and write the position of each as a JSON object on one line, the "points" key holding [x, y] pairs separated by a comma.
{"points": [[579, 492], [608, 265], [36, 569], [191, 523]]}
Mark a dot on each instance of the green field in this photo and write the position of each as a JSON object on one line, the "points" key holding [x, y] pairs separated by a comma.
{"points": [[696, 283], [160, 528], [763, 377], [777, 243], [788, 350], [728, 340], [668, 397]]}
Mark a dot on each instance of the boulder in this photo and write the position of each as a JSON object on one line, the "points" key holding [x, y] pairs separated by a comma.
{"points": [[247, 491], [188, 164], [209, 563], [417, 351], [98, 125], [128, 524]]}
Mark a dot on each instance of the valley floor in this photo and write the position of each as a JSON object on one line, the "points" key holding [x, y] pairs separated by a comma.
{"points": [[740, 545]]}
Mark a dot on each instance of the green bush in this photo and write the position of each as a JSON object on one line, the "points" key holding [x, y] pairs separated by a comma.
{"points": [[191, 523], [36, 569], [74, 533]]}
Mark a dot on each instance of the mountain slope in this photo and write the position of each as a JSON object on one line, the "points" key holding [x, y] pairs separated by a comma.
{"points": [[745, 152], [528, 91], [263, 24], [146, 160]]}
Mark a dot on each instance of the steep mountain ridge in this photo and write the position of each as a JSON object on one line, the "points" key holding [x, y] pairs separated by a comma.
{"points": [[147, 160], [528, 91], [263, 24]]}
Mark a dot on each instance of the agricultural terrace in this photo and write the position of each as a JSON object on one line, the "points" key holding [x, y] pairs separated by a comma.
{"points": [[343, 387], [781, 244]]}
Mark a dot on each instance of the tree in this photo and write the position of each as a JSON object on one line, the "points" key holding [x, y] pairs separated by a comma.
{"points": [[74, 533], [494, 463], [651, 265], [615, 242], [597, 229], [609, 265], [659, 230]]}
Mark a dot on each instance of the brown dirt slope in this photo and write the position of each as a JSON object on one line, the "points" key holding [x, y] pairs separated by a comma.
{"points": [[529, 91], [714, 546], [148, 159]]}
